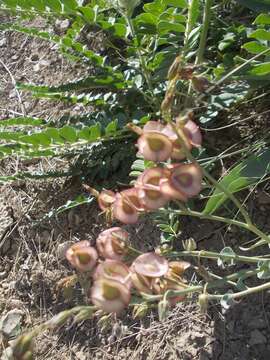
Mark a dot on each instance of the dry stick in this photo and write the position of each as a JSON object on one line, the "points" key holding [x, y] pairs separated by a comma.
{"points": [[14, 84]]}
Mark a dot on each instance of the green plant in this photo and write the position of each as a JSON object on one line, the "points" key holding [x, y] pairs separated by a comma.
{"points": [[162, 60]]}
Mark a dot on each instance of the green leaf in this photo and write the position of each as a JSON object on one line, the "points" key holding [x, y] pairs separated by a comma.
{"points": [[264, 269], [165, 27], [243, 175], [254, 47], [223, 260], [262, 19], [21, 121], [111, 127], [176, 3], [68, 133], [260, 34], [261, 69]]}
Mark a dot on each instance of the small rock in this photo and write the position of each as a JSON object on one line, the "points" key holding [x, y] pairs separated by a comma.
{"points": [[62, 25], [3, 42], [36, 67], [10, 324], [256, 338]]}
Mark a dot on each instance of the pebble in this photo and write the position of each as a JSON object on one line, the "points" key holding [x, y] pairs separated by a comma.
{"points": [[256, 338], [3, 42]]}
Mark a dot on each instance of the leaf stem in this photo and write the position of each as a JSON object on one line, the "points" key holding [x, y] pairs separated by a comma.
{"points": [[205, 27]]}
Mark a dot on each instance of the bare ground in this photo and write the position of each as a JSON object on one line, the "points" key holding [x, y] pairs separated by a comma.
{"points": [[31, 261]]}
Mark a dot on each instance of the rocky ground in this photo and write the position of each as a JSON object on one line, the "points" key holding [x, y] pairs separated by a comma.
{"points": [[31, 251]]}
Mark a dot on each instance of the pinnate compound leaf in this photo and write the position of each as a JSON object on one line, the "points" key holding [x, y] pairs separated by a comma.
{"points": [[248, 172]]}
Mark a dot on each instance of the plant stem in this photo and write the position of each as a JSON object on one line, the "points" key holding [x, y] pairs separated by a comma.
{"points": [[205, 27], [199, 288], [242, 293], [241, 224], [214, 255], [141, 58]]}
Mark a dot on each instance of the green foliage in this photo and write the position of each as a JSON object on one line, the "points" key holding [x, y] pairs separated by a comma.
{"points": [[248, 172]]}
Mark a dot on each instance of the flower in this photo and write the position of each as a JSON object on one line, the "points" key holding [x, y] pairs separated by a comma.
{"points": [[149, 192], [110, 295], [184, 182], [150, 265], [113, 269], [105, 199], [112, 243], [82, 256], [154, 146], [127, 206]]}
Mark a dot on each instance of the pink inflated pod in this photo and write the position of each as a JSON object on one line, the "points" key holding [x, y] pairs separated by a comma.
{"points": [[153, 126], [148, 185], [185, 181], [150, 265], [105, 199], [112, 243], [127, 206], [177, 151], [113, 269], [154, 146], [142, 284], [193, 133], [110, 295], [82, 256]]}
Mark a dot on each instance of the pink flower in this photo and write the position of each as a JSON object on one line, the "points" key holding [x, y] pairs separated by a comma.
{"points": [[115, 270], [127, 206], [150, 265], [154, 146], [148, 185], [110, 295], [112, 243], [184, 182], [105, 199], [82, 256]]}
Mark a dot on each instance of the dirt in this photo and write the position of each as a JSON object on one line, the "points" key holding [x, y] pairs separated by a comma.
{"points": [[31, 251]]}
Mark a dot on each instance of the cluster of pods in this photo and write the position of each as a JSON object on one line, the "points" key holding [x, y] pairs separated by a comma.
{"points": [[114, 278], [159, 184]]}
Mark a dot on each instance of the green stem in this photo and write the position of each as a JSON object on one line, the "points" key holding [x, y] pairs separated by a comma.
{"points": [[199, 288], [141, 58], [205, 27], [241, 224], [190, 20], [214, 255], [242, 293]]}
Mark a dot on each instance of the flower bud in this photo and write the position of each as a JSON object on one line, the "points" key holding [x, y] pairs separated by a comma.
{"points": [[203, 303], [112, 243], [140, 311], [190, 244], [174, 68], [200, 83], [105, 199], [163, 309], [82, 256]]}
